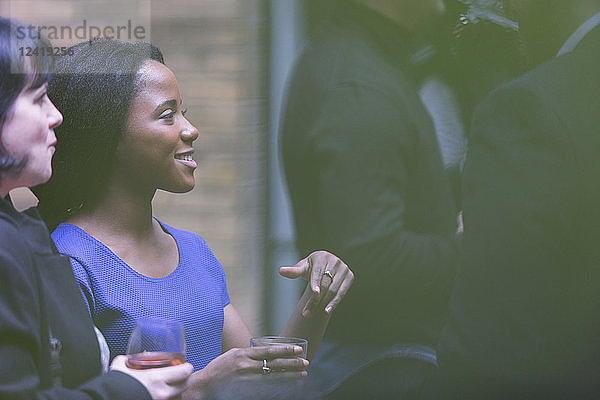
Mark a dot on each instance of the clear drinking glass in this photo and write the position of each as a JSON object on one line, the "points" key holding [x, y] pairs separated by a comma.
{"points": [[280, 340], [155, 343]]}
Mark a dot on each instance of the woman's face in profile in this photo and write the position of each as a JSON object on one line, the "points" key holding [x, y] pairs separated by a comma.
{"points": [[28, 134], [156, 149]]}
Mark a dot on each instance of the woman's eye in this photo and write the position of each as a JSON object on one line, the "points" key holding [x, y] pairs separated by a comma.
{"points": [[167, 114], [184, 111], [41, 99]]}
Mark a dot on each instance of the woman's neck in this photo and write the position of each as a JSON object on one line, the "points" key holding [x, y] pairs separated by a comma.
{"points": [[119, 211], [122, 221]]}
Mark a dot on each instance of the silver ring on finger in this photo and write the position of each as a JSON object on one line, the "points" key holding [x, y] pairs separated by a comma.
{"points": [[265, 369], [328, 274]]}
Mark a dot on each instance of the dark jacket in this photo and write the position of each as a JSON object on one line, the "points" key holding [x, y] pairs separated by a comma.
{"points": [[366, 179], [39, 300], [525, 312]]}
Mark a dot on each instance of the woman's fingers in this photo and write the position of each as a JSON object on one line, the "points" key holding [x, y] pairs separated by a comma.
{"points": [[161, 383], [334, 281], [337, 291], [340, 284], [282, 375], [331, 292], [288, 364], [269, 359], [295, 271], [275, 351], [171, 375], [176, 375], [293, 365], [329, 279], [322, 268], [317, 262]]}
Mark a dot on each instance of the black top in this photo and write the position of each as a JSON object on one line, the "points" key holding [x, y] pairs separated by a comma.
{"points": [[40, 300], [366, 178], [525, 312]]}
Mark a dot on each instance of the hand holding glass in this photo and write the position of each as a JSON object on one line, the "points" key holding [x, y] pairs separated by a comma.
{"points": [[156, 343]]}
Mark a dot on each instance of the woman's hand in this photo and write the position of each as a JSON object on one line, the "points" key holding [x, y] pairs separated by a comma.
{"points": [[281, 361], [162, 383], [329, 278]]}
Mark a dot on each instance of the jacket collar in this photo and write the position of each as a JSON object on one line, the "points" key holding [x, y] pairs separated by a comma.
{"points": [[579, 35], [7, 206]]}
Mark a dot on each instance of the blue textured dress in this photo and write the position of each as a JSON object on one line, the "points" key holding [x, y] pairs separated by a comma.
{"points": [[195, 293]]}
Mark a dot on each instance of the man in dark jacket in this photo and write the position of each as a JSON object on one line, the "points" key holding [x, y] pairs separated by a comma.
{"points": [[524, 317], [366, 181]]}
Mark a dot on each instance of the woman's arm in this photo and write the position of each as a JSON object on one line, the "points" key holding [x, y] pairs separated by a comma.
{"points": [[311, 316], [321, 296], [235, 331], [308, 321]]}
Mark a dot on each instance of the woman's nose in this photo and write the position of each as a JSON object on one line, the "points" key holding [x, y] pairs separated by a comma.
{"points": [[55, 118], [190, 133]]}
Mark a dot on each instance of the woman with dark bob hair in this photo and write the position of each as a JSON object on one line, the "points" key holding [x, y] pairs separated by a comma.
{"points": [[48, 345], [124, 136]]}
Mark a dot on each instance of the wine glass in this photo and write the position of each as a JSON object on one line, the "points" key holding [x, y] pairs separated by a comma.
{"points": [[155, 343]]}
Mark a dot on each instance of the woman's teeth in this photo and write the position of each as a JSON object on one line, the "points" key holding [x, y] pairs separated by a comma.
{"points": [[185, 157]]}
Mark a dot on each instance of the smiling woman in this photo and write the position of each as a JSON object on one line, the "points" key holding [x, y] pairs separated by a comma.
{"points": [[125, 136], [86, 156], [156, 149]]}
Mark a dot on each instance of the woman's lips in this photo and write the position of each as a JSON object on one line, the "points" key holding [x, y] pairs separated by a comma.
{"points": [[186, 158]]}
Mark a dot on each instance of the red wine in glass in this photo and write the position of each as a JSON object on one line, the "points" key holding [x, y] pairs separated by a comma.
{"points": [[155, 359], [156, 343]]}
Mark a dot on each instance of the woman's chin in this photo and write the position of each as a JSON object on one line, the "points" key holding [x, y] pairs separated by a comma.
{"points": [[34, 178], [182, 188]]}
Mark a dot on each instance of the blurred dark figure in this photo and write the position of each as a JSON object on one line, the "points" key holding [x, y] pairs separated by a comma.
{"points": [[524, 320], [366, 179], [473, 49]]}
